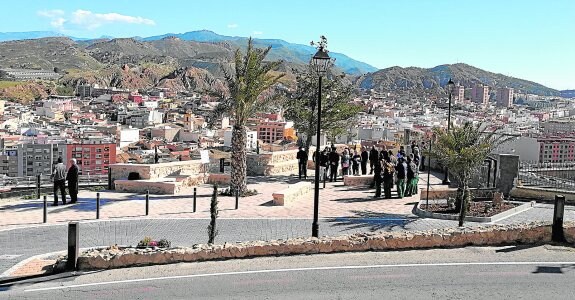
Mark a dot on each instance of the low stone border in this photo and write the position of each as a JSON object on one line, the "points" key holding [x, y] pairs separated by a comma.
{"points": [[544, 194], [532, 233], [428, 214]]}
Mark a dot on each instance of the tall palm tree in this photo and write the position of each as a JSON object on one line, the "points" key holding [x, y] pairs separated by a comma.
{"points": [[462, 150], [250, 88]]}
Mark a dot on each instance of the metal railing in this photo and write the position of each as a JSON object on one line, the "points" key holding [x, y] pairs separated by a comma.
{"points": [[547, 175]]}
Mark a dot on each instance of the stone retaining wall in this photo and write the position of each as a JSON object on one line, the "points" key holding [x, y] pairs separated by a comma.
{"points": [[541, 193], [155, 171], [533, 233]]}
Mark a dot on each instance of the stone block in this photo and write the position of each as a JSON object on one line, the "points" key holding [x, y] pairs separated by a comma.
{"points": [[362, 180], [292, 193]]}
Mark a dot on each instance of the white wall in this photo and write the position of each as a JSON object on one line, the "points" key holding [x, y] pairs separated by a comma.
{"points": [[526, 147], [128, 136]]}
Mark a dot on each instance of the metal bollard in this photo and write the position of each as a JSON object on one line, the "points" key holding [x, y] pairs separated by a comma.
{"points": [[324, 178], [237, 199], [38, 186], [194, 200], [147, 202], [109, 179], [558, 212], [97, 205], [45, 219], [73, 245]]}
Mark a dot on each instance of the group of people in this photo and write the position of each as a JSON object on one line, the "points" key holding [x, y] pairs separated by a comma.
{"points": [[387, 168], [60, 175], [402, 169]]}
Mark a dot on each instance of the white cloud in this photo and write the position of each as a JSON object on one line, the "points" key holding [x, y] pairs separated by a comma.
{"points": [[86, 19], [232, 25], [257, 33], [56, 17], [90, 20]]}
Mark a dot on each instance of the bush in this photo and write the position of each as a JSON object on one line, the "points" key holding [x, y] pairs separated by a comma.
{"points": [[230, 193], [148, 242]]}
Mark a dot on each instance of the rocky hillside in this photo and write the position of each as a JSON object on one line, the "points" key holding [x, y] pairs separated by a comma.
{"points": [[434, 79]]}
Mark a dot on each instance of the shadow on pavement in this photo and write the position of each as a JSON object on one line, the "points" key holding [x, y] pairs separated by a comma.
{"points": [[374, 221]]}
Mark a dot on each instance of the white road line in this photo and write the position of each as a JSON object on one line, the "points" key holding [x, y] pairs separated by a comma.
{"points": [[299, 270]]}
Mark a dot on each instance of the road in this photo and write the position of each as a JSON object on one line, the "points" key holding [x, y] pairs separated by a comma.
{"points": [[544, 272]]}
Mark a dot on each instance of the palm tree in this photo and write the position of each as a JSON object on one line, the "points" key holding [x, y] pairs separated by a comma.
{"points": [[250, 91], [462, 150]]}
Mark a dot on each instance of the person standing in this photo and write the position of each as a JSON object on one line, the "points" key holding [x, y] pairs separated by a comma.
{"points": [[302, 163], [323, 163], [345, 162], [355, 161], [377, 178], [72, 178], [411, 174], [388, 170], [364, 160], [333, 164], [422, 161], [59, 177], [401, 171], [373, 158]]}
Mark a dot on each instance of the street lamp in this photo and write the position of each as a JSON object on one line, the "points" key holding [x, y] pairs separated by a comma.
{"points": [[449, 86], [320, 62]]}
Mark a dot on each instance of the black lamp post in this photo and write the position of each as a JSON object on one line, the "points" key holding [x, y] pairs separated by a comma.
{"points": [[449, 86], [320, 62]]}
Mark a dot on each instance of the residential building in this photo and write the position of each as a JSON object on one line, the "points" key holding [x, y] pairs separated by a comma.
{"points": [[458, 94], [269, 132], [251, 138], [480, 94], [505, 97], [93, 157], [9, 161], [39, 159], [558, 127], [556, 150]]}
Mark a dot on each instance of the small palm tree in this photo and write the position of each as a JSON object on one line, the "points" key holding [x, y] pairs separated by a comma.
{"points": [[250, 89], [462, 150]]}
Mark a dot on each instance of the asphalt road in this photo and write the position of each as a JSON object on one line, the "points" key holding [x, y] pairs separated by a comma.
{"points": [[545, 272]]}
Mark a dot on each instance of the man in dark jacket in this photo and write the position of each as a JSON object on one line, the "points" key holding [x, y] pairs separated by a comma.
{"points": [[401, 171], [72, 178], [364, 160], [302, 162], [411, 185], [324, 163], [333, 163], [373, 158], [388, 170], [59, 177], [377, 177]]}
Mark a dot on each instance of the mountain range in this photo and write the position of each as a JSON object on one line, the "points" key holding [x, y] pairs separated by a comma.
{"points": [[151, 58]]}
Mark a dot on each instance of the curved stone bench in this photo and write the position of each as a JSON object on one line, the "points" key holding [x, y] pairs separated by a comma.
{"points": [[292, 193]]}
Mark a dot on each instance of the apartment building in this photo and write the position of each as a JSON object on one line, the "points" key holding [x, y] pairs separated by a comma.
{"points": [[480, 94], [505, 97], [93, 158], [556, 150]]}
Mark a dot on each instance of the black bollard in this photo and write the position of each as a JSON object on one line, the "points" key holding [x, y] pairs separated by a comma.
{"points": [[38, 186], [147, 202], [97, 205], [558, 212], [45, 209], [324, 178], [194, 200], [109, 179], [237, 199], [73, 245]]}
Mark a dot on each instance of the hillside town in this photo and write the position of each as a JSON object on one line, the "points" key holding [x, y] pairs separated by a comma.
{"points": [[101, 126]]}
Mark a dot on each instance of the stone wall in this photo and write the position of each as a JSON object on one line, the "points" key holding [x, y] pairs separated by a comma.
{"points": [[155, 188], [155, 171], [276, 163], [508, 173], [533, 233]]}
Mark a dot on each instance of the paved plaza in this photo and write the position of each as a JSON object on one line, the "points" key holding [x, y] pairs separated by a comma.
{"points": [[343, 210]]}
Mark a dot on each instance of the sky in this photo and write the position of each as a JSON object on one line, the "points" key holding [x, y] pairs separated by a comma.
{"points": [[528, 39]]}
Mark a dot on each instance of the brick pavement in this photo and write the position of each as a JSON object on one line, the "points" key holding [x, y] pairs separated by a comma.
{"points": [[336, 200]]}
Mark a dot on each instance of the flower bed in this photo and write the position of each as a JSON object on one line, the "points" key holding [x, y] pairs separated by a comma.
{"points": [[476, 209]]}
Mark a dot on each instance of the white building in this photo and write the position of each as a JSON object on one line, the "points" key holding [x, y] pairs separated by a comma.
{"points": [[128, 136], [251, 140]]}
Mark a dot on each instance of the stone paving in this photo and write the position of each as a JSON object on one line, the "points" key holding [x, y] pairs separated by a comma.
{"points": [[336, 200], [343, 210]]}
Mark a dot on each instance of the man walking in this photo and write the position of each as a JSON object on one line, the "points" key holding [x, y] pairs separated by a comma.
{"points": [[364, 160], [72, 178], [388, 169], [59, 177], [302, 162]]}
